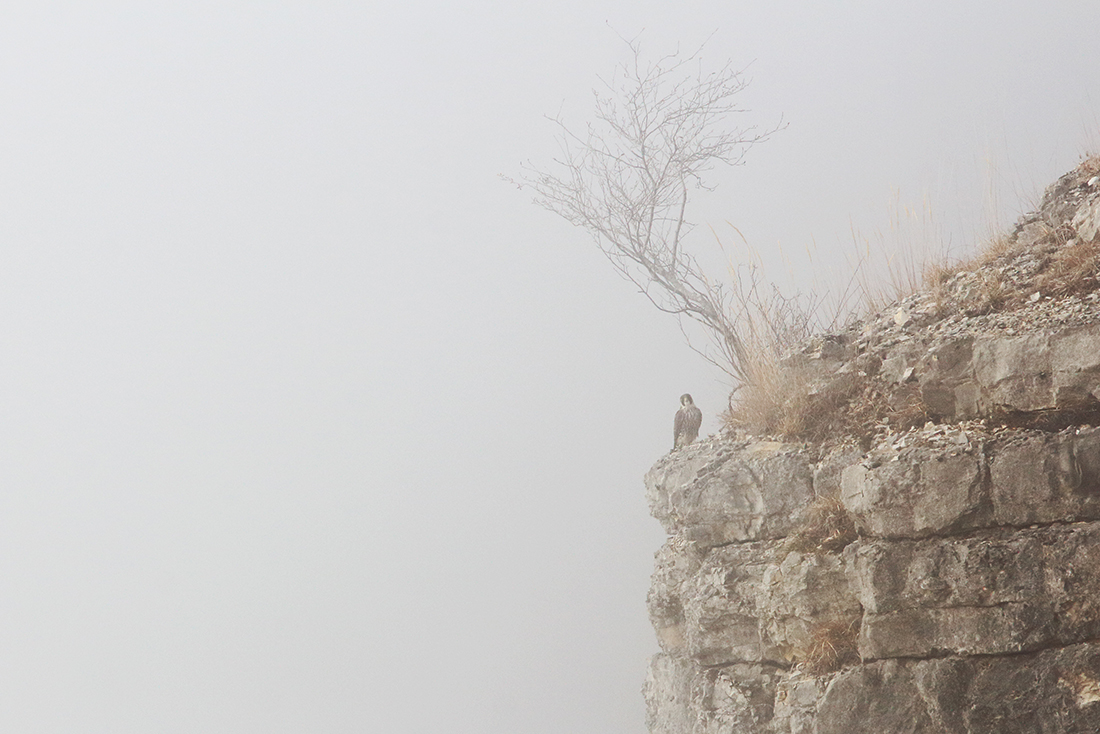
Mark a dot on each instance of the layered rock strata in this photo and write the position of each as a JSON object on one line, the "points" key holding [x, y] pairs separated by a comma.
{"points": [[941, 578]]}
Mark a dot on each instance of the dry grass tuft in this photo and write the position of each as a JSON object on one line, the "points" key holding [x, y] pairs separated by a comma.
{"points": [[1090, 166], [784, 398], [827, 526], [1069, 266], [832, 646], [783, 403], [1074, 269], [1000, 246], [936, 274], [774, 402], [990, 294]]}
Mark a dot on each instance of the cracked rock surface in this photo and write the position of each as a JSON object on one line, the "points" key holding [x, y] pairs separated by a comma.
{"points": [[943, 578]]}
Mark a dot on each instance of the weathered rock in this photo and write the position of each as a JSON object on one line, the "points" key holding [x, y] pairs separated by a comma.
{"points": [[801, 595], [829, 471], [946, 567], [968, 481], [682, 697], [667, 693], [1003, 591], [873, 698], [714, 494], [976, 377], [797, 698], [747, 602], [735, 698], [676, 564], [723, 604], [1052, 692], [1086, 221], [1038, 477], [946, 382], [1013, 373], [917, 491], [969, 601], [1075, 361], [1063, 199]]}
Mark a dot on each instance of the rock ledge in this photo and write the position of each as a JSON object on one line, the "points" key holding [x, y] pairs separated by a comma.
{"points": [[938, 578]]}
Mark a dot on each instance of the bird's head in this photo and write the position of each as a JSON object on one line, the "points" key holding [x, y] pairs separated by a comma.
{"points": [[685, 399]]}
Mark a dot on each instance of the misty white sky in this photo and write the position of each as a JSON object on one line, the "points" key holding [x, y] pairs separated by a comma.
{"points": [[312, 424]]}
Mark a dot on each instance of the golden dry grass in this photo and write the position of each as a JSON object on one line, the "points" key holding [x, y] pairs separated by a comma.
{"points": [[832, 645], [1090, 166], [856, 405], [784, 401], [826, 526], [1073, 270], [1070, 266]]}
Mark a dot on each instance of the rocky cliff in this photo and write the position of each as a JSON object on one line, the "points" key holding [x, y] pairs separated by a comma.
{"points": [[924, 555]]}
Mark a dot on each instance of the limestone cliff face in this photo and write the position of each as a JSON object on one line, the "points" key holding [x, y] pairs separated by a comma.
{"points": [[937, 578]]}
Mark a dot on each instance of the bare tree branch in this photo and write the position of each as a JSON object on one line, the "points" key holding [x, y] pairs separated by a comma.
{"points": [[659, 127]]}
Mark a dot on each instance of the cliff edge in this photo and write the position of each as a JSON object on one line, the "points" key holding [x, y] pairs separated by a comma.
{"points": [[925, 557]]}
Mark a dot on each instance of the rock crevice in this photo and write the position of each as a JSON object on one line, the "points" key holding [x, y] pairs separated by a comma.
{"points": [[944, 578]]}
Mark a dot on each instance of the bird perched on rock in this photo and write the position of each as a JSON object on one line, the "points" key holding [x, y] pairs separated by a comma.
{"points": [[688, 419]]}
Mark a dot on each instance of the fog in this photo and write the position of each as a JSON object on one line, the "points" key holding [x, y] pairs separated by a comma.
{"points": [[312, 423]]}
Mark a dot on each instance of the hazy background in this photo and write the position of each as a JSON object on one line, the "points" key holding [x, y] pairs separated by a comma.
{"points": [[312, 424]]}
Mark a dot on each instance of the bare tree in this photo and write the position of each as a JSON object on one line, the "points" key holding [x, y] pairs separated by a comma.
{"points": [[627, 179]]}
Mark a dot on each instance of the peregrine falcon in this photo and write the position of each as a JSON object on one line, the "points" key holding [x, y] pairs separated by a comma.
{"points": [[688, 419]]}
